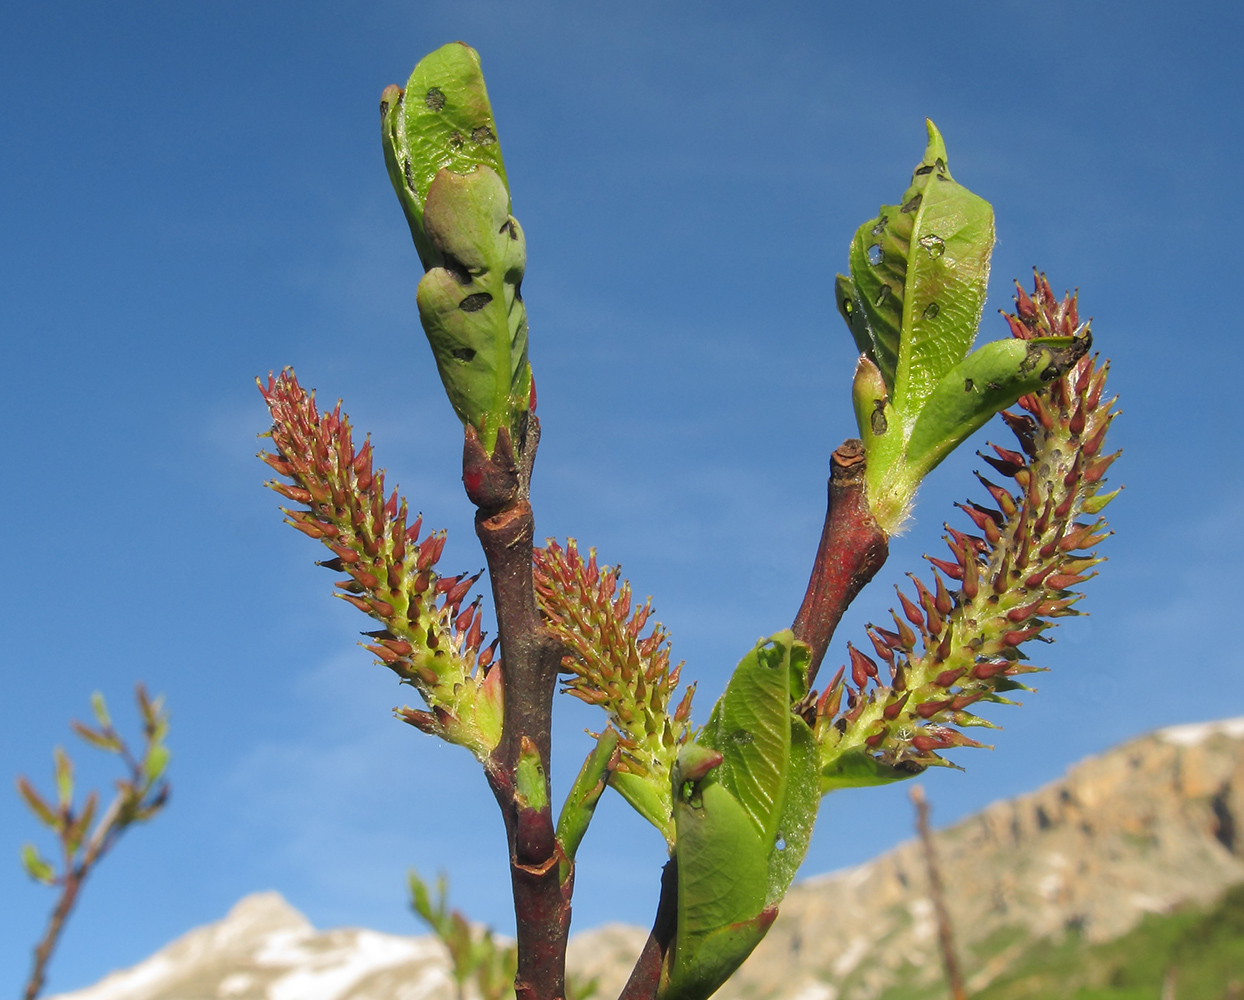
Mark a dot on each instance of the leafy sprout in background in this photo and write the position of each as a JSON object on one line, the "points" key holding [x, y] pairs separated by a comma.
{"points": [[85, 835], [735, 800], [482, 965]]}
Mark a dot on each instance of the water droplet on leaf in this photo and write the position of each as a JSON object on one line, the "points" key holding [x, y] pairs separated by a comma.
{"points": [[935, 245], [931, 310], [879, 228], [875, 254], [882, 295]]}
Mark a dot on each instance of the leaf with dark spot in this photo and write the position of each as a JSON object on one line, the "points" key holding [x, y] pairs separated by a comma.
{"points": [[474, 303]]}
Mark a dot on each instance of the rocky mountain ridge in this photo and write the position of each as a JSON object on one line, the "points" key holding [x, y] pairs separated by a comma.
{"points": [[1145, 827]]}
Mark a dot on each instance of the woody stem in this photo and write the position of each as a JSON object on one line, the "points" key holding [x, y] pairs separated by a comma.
{"points": [[853, 548]]}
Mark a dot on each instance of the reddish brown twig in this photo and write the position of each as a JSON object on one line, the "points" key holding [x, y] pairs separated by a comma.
{"points": [[530, 657], [937, 893], [645, 978], [853, 548]]}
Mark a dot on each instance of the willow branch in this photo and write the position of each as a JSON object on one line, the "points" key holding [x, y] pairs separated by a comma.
{"points": [[645, 978], [852, 549], [530, 658]]}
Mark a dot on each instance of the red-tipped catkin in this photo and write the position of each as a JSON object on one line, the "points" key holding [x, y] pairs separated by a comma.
{"points": [[1013, 577]]}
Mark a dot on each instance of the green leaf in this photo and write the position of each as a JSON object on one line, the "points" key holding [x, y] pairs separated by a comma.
{"points": [[456, 934], [444, 160], [856, 769], [919, 272], [37, 804], [585, 793], [745, 799], [470, 304], [156, 762], [420, 900], [989, 379], [35, 866], [64, 777], [640, 794], [100, 708], [100, 740], [913, 302], [443, 120], [79, 827], [723, 866], [852, 311], [750, 727], [531, 789], [798, 815]]}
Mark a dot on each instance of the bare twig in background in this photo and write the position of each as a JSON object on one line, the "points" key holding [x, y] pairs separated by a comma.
{"points": [[138, 798], [937, 893]]}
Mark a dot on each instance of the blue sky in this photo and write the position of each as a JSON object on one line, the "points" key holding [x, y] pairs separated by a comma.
{"points": [[194, 194]]}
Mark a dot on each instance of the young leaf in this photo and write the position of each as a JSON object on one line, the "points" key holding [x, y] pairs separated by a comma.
{"points": [[986, 381], [531, 789], [78, 828], [919, 273], [442, 120], [722, 880], [100, 708], [156, 762], [37, 804], [470, 305], [421, 900], [64, 777], [35, 866], [913, 305], [585, 793], [441, 149], [745, 799], [99, 740]]}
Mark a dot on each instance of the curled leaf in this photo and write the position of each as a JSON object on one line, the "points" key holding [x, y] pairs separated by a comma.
{"points": [[470, 303], [913, 302], [444, 160], [745, 799], [919, 272]]}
